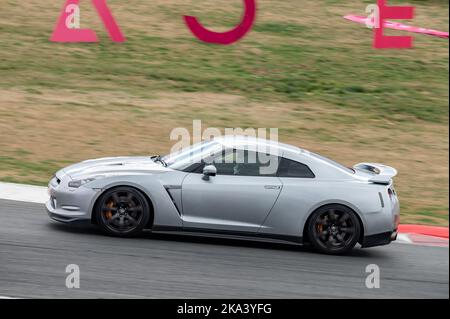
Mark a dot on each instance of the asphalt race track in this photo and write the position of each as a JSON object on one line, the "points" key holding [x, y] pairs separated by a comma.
{"points": [[34, 252]]}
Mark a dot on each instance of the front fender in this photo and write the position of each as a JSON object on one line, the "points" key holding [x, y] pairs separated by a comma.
{"points": [[164, 210]]}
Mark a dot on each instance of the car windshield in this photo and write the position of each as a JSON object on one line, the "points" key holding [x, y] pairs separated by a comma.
{"points": [[333, 163], [184, 158]]}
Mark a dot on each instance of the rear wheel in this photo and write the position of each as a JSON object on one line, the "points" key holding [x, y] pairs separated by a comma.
{"points": [[334, 229], [122, 211]]}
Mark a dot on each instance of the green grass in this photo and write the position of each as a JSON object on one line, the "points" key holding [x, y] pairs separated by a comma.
{"points": [[409, 82], [30, 172]]}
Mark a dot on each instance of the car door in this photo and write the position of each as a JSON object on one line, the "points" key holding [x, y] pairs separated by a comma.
{"points": [[238, 198]]}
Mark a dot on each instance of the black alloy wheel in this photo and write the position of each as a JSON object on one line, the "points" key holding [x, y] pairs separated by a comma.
{"points": [[334, 229], [123, 212]]}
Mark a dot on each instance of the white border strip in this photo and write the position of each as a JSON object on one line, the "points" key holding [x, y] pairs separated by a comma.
{"points": [[23, 193], [404, 238]]}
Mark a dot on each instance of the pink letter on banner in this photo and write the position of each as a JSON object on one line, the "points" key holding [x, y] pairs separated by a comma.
{"points": [[228, 37], [392, 42], [63, 34]]}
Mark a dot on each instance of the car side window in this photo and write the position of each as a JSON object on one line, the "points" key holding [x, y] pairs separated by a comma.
{"points": [[244, 163], [290, 168]]}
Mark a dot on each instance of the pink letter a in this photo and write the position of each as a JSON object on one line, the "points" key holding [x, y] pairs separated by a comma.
{"points": [[63, 34]]}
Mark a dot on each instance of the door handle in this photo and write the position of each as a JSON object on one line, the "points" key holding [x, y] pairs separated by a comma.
{"points": [[272, 187]]}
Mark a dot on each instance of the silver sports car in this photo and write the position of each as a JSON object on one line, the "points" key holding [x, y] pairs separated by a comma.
{"points": [[234, 187]]}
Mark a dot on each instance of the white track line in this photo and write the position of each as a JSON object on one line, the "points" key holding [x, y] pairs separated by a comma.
{"points": [[23, 193]]}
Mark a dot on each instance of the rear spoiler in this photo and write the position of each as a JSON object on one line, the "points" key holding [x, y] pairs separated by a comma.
{"points": [[382, 174]]}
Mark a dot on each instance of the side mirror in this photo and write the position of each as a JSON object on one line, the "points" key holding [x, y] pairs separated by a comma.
{"points": [[210, 170]]}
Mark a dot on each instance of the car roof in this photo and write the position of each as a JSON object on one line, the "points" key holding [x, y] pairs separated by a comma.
{"points": [[257, 143], [280, 149]]}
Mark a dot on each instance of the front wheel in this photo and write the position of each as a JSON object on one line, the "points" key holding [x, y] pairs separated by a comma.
{"points": [[334, 229], [122, 211]]}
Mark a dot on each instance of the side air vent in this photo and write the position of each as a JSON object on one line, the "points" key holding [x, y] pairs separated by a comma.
{"points": [[174, 193]]}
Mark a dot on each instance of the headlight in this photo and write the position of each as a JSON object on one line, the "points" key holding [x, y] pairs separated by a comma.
{"points": [[79, 182], [53, 181]]}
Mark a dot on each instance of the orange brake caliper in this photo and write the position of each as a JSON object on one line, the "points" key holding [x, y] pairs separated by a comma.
{"points": [[108, 214]]}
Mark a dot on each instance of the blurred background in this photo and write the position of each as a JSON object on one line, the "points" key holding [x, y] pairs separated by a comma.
{"points": [[302, 69]]}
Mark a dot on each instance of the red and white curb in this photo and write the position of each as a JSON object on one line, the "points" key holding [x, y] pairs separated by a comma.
{"points": [[408, 234], [423, 235], [423, 240]]}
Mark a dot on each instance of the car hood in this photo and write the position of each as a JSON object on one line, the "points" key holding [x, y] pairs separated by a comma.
{"points": [[114, 166]]}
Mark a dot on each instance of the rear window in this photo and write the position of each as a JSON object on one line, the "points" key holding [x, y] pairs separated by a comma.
{"points": [[289, 168], [333, 163]]}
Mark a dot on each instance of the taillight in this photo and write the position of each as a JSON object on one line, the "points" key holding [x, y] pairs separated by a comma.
{"points": [[390, 193]]}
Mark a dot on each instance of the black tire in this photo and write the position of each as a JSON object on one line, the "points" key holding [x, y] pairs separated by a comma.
{"points": [[334, 229], [122, 212]]}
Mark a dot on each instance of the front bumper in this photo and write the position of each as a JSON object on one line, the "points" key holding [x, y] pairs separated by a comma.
{"points": [[64, 216], [69, 205]]}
